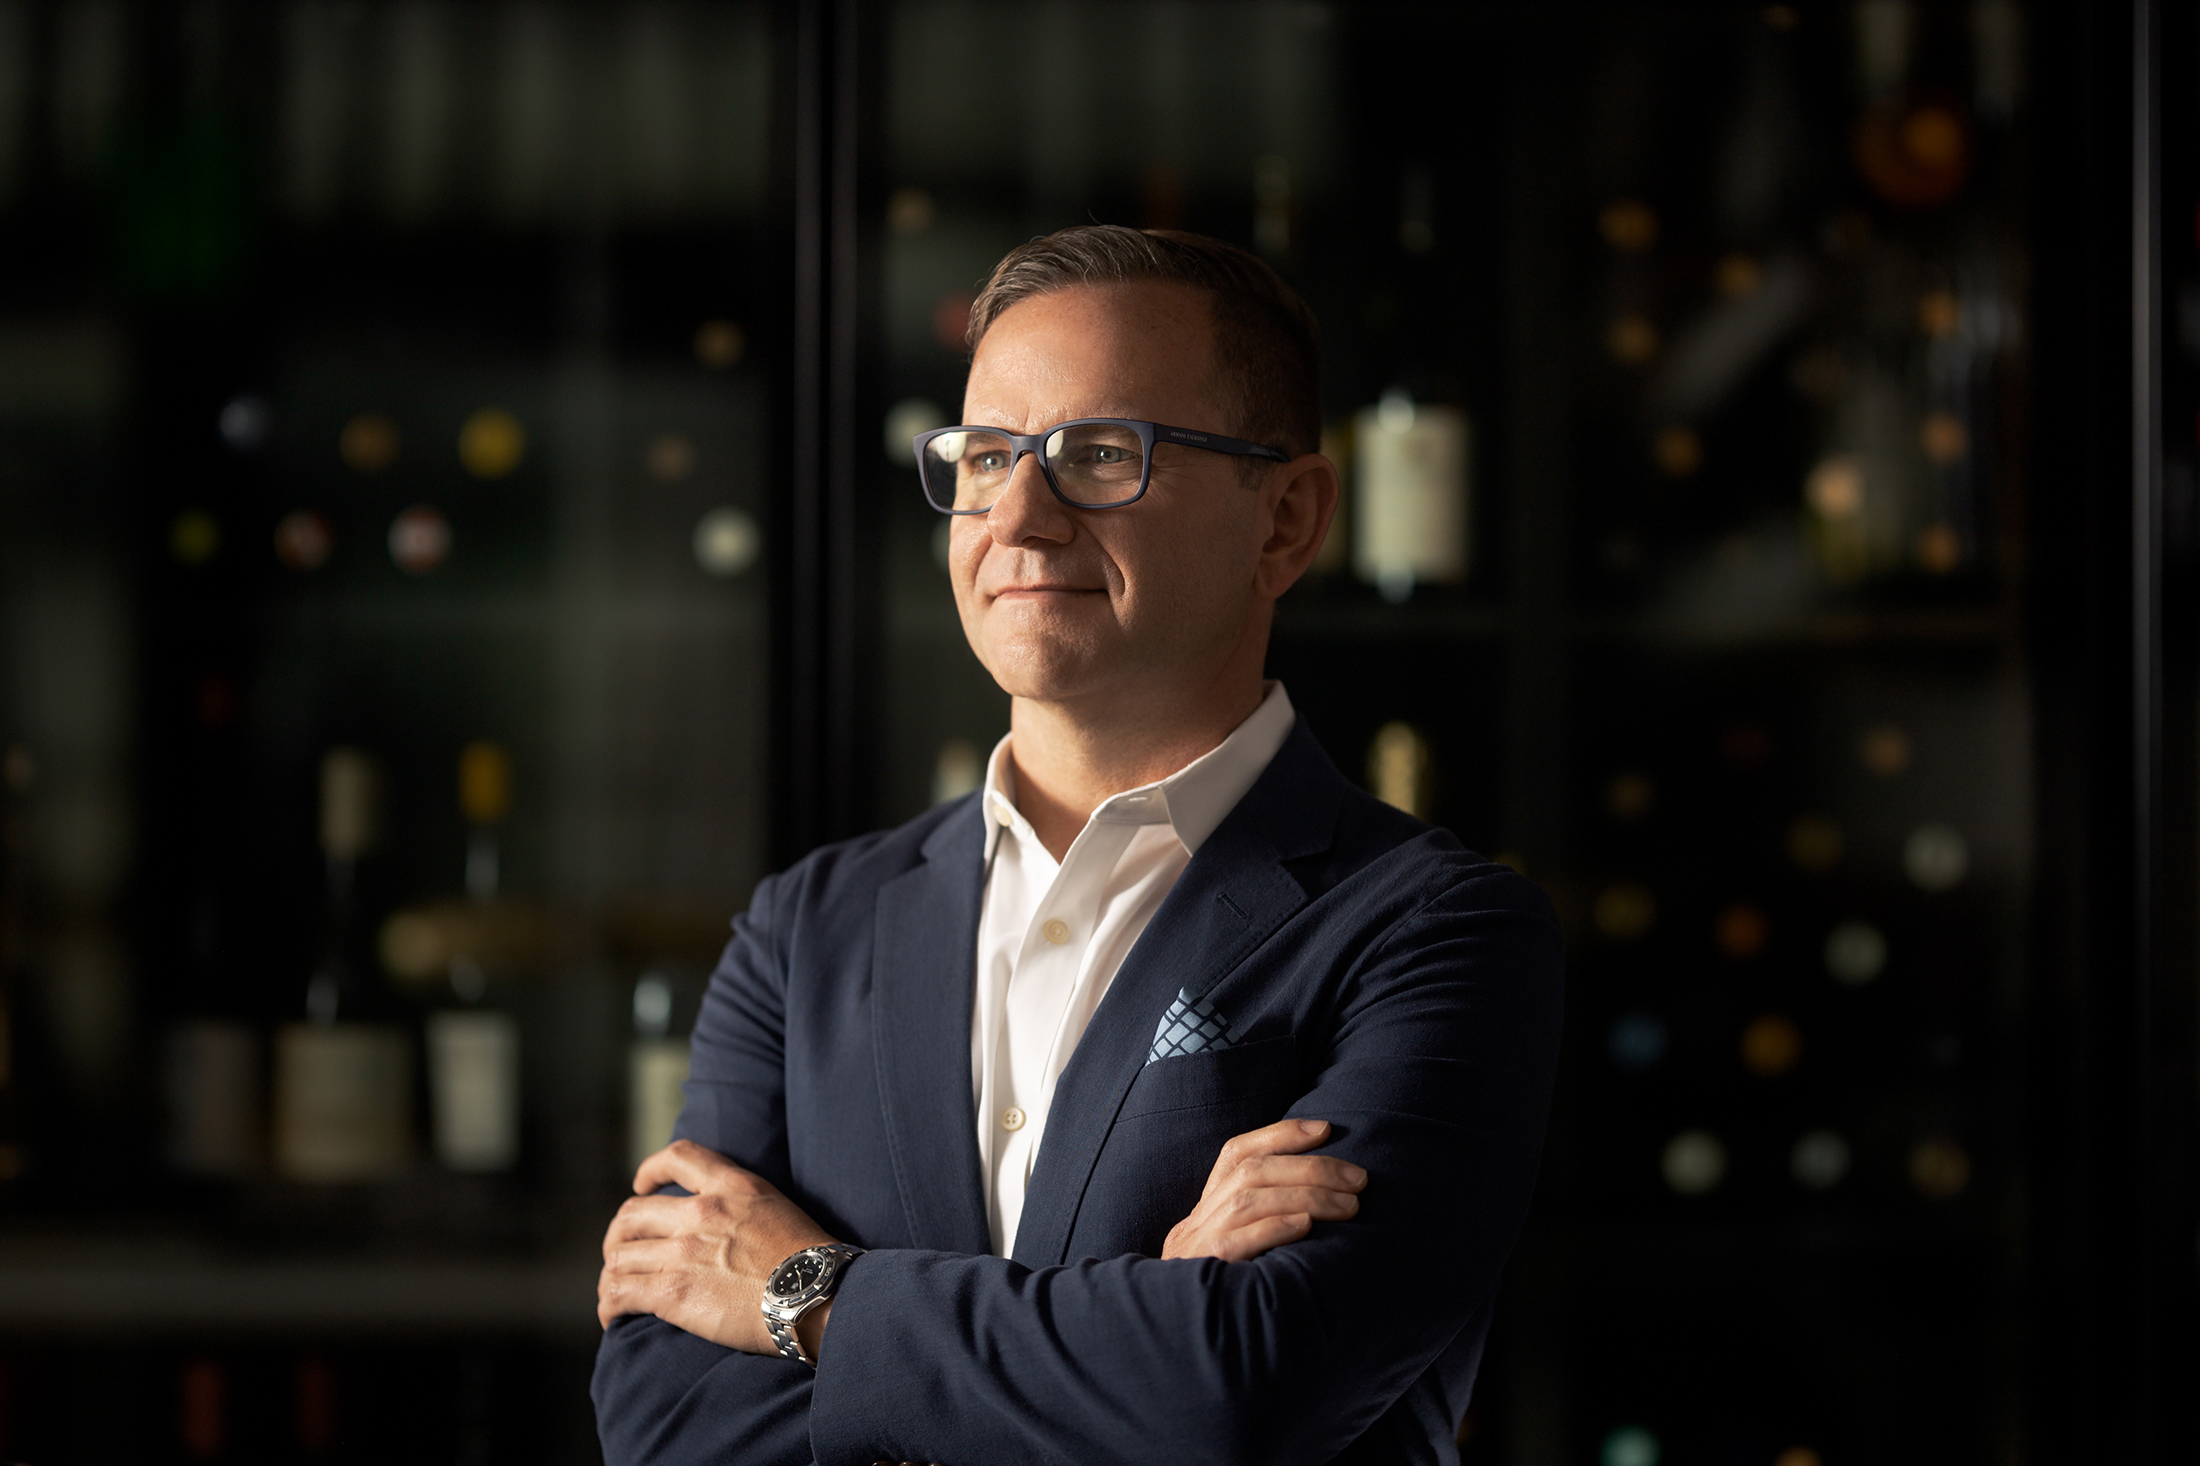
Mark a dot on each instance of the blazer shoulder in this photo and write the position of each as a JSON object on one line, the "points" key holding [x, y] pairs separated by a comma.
{"points": [[833, 875]]}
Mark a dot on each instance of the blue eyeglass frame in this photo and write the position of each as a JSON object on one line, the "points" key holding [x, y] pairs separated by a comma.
{"points": [[1149, 433]]}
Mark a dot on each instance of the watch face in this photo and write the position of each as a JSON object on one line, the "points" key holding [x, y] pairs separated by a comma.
{"points": [[797, 1273]]}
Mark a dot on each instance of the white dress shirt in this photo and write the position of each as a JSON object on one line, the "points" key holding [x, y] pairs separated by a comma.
{"points": [[1051, 936]]}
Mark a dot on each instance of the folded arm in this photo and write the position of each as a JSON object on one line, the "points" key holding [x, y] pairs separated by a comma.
{"points": [[1437, 1085]]}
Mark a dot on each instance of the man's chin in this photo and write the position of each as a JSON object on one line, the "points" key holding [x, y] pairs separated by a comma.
{"points": [[1049, 674]]}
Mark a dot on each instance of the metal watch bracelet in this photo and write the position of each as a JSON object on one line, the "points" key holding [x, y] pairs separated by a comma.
{"points": [[780, 1319]]}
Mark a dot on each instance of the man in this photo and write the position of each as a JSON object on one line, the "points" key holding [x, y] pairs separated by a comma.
{"points": [[1184, 1100]]}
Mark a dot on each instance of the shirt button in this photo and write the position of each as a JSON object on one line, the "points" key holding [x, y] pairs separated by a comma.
{"points": [[1012, 1118], [1056, 931]]}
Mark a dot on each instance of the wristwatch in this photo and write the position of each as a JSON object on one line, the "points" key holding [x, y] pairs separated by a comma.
{"points": [[798, 1285]]}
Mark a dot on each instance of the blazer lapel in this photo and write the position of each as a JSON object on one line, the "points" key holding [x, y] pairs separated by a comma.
{"points": [[1232, 897], [923, 968]]}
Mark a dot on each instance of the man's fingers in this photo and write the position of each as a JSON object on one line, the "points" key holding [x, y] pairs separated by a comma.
{"points": [[1285, 1137], [647, 1216], [641, 1255], [1273, 1201], [684, 1163], [1325, 1171], [1248, 1242]]}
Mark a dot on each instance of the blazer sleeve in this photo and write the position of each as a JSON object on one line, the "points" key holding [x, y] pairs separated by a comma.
{"points": [[663, 1395], [1437, 1080]]}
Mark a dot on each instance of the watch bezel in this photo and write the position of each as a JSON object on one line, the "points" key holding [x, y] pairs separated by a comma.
{"points": [[832, 1259]]}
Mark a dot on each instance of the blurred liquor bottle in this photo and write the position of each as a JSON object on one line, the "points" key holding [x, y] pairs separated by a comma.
{"points": [[473, 1050], [343, 1077], [657, 1069], [1412, 505]]}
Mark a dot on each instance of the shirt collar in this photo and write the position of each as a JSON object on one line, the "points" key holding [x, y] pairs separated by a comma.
{"points": [[1193, 801]]}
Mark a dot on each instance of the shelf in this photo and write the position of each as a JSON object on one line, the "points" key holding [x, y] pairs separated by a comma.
{"points": [[152, 1287], [1966, 626]]}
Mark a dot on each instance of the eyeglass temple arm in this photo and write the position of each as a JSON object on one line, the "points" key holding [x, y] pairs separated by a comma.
{"points": [[1215, 442]]}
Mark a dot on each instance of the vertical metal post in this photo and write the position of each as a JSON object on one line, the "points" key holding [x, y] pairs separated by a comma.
{"points": [[819, 798], [2146, 705]]}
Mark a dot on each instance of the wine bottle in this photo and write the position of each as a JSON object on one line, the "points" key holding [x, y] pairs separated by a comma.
{"points": [[657, 1069], [343, 1085], [473, 1052]]}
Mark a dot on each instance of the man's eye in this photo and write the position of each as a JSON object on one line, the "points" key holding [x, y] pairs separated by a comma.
{"points": [[1107, 455], [990, 462]]}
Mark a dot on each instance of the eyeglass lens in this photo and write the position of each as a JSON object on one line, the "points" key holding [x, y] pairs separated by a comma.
{"points": [[1091, 463]]}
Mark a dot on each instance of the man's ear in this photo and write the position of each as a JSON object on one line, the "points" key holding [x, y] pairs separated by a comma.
{"points": [[1302, 498]]}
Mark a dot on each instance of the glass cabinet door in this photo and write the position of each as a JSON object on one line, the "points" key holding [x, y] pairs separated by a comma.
{"points": [[1674, 359], [395, 396]]}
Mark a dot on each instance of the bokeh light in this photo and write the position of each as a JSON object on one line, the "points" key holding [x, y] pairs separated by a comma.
{"points": [[1885, 749], [1628, 225], [194, 537], [368, 443], [718, 345], [246, 422], [1631, 339], [1694, 1162], [1637, 1041], [420, 540], [304, 540], [727, 541], [1820, 1160], [1677, 451], [671, 457], [1939, 1168], [1629, 796], [1741, 930], [1856, 952], [1625, 911], [904, 420], [1936, 857], [491, 443], [1815, 843], [1771, 1045]]}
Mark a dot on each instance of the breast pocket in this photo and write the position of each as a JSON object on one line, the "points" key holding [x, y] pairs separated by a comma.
{"points": [[1213, 1077]]}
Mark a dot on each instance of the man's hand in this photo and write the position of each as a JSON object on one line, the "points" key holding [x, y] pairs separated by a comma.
{"points": [[1263, 1193], [699, 1262]]}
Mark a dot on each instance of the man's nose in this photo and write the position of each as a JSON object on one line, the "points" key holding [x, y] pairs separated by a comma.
{"points": [[1027, 509]]}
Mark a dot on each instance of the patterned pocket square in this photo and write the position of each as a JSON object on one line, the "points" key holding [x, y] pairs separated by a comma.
{"points": [[1191, 1026]]}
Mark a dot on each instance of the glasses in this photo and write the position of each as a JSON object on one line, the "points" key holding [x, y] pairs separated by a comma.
{"points": [[1090, 463]]}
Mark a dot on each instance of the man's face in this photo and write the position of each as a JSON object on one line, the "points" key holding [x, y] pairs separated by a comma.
{"points": [[1066, 605]]}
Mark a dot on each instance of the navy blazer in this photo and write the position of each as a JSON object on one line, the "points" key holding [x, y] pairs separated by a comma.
{"points": [[1375, 973]]}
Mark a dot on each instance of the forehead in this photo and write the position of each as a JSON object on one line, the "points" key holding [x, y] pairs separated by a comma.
{"points": [[1141, 350]]}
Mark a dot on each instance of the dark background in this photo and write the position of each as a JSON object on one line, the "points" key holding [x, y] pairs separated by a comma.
{"points": [[1676, 264]]}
